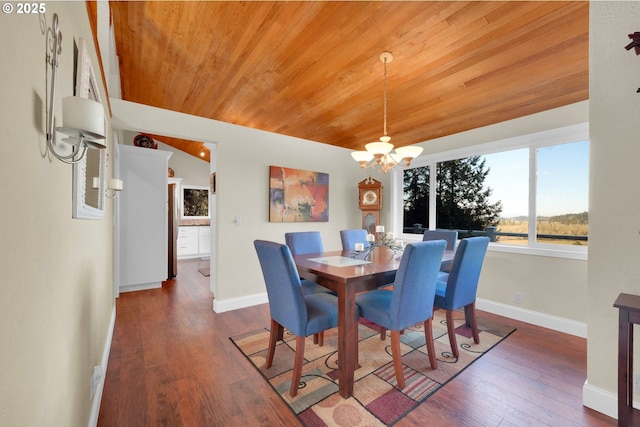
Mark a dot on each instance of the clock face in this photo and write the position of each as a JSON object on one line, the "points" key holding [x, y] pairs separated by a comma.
{"points": [[369, 197]]}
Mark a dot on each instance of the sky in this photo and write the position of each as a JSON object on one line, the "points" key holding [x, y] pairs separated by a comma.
{"points": [[563, 180]]}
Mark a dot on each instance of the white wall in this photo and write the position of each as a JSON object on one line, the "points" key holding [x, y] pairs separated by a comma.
{"points": [[192, 170], [56, 295], [614, 220]]}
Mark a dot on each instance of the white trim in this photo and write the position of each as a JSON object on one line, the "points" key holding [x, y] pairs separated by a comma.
{"points": [[600, 400], [140, 287], [97, 398], [241, 302], [546, 251], [556, 323]]}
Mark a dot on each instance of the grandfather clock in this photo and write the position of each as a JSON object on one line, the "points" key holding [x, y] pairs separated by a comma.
{"points": [[370, 203]]}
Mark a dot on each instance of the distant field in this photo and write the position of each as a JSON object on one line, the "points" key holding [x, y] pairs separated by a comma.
{"points": [[544, 227]]}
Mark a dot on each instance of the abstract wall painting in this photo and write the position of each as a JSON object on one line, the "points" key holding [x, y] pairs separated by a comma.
{"points": [[298, 195]]}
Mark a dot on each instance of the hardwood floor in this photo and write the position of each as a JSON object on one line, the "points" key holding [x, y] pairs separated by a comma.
{"points": [[172, 364]]}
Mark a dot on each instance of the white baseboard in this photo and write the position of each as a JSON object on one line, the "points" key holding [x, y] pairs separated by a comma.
{"points": [[220, 306], [97, 398], [141, 287], [560, 324], [600, 400]]}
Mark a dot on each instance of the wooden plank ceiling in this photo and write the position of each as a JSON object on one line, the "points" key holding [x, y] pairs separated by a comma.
{"points": [[312, 69]]}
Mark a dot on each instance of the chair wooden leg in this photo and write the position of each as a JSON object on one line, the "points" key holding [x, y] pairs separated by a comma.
{"points": [[319, 338], [297, 366], [431, 349], [451, 330], [315, 338], [383, 333], [470, 316], [276, 334], [397, 358]]}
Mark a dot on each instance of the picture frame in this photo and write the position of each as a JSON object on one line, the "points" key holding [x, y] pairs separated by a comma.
{"points": [[212, 183], [89, 182], [195, 202], [297, 195]]}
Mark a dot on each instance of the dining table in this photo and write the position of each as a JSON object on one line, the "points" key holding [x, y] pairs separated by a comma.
{"points": [[348, 273]]}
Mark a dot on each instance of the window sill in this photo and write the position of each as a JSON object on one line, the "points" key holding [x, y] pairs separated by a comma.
{"points": [[582, 255]]}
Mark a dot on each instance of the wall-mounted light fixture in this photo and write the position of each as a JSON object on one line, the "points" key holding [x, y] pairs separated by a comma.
{"points": [[82, 119], [114, 185]]}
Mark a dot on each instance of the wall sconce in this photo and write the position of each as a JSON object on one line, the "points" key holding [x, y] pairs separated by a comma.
{"points": [[82, 119], [114, 185]]}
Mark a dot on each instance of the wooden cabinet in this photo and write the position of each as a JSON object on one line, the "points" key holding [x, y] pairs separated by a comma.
{"points": [[194, 241]]}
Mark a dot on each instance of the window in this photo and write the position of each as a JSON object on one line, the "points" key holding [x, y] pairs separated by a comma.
{"points": [[498, 189]]}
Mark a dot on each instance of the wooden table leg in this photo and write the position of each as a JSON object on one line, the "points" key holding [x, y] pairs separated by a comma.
{"points": [[347, 340]]}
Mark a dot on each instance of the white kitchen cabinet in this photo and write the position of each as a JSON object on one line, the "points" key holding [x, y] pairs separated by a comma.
{"points": [[194, 241], [204, 241]]}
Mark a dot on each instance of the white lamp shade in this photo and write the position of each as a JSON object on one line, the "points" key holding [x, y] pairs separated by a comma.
{"points": [[82, 115], [361, 156], [410, 151], [379, 147]]}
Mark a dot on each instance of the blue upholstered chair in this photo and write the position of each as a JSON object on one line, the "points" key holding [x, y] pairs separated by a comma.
{"points": [[303, 315], [410, 301], [349, 238], [458, 288], [450, 236], [306, 242]]}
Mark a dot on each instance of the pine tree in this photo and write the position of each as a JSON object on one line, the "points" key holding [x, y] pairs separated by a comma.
{"points": [[461, 202]]}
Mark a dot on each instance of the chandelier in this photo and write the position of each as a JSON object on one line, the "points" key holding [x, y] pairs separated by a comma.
{"points": [[379, 153]]}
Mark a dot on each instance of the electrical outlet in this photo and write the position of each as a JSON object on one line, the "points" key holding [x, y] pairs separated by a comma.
{"points": [[636, 383], [517, 297]]}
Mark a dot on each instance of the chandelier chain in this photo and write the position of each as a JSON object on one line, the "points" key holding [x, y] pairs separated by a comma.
{"points": [[384, 125]]}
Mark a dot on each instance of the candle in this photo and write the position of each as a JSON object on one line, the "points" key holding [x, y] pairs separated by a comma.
{"points": [[359, 247], [115, 184], [380, 229], [370, 238], [389, 236]]}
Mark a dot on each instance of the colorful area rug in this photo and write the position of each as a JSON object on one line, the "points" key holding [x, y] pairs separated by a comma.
{"points": [[376, 401]]}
